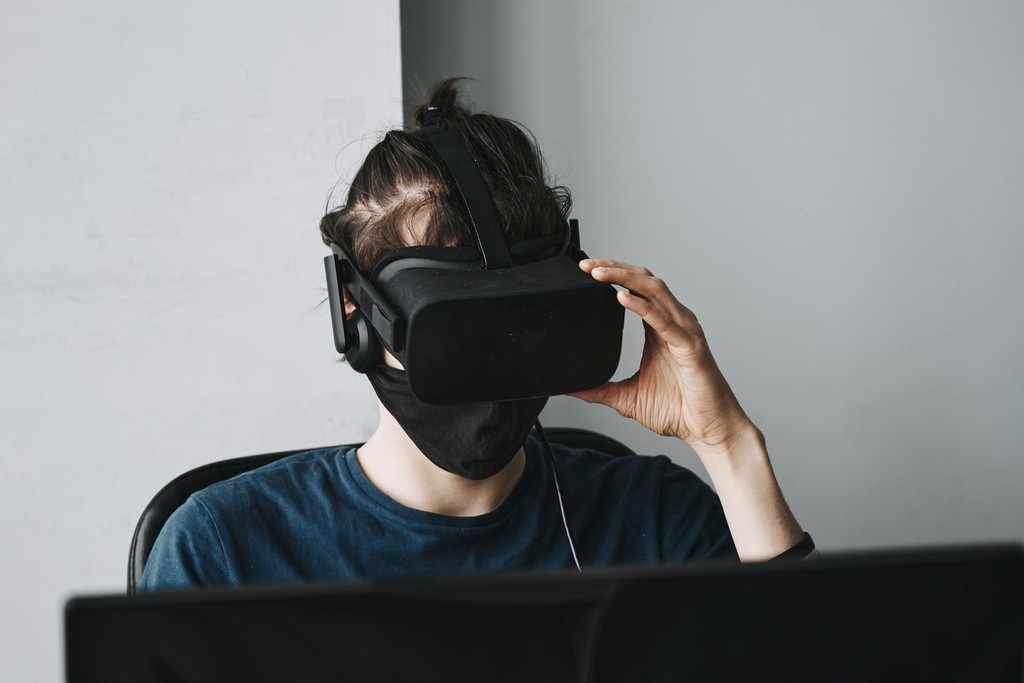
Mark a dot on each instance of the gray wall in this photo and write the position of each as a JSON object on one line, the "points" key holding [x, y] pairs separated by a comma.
{"points": [[837, 189], [163, 170]]}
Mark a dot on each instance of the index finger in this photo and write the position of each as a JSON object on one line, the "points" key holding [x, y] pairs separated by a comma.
{"points": [[589, 264], [643, 284]]}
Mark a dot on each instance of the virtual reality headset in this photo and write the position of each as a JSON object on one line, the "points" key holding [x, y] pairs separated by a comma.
{"points": [[492, 323]]}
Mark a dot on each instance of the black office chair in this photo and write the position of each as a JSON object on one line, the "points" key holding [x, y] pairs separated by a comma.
{"points": [[181, 487]]}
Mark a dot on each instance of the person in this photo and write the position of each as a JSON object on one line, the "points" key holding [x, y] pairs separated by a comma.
{"points": [[463, 489]]}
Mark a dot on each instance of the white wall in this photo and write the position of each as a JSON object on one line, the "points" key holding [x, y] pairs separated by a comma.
{"points": [[836, 188], [163, 169]]}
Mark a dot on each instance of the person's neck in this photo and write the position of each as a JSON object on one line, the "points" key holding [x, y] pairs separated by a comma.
{"points": [[393, 463]]}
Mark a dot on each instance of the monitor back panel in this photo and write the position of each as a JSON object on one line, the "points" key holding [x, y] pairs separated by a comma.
{"points": [[954, 614]]}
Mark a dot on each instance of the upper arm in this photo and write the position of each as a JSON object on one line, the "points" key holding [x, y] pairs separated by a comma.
{"points": [[188, 552]]}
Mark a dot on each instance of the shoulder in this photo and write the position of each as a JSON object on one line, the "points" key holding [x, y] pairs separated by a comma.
{"points": [[289, 479], [644, 482], [595, 466], [205, 538]]}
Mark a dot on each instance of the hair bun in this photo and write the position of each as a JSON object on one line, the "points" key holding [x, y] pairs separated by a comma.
{"points": [[440, 102]]}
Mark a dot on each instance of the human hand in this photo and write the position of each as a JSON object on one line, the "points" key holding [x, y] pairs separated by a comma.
{"points": [[678, 389]]}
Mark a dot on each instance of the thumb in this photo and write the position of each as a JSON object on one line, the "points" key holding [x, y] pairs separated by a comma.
{"points": [[612, 394]]}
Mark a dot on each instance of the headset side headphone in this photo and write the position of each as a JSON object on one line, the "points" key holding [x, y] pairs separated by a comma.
{"points": [[354, 336]]}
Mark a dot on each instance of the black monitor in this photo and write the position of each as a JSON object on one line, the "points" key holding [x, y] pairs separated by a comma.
{"points": [[926, 615]]}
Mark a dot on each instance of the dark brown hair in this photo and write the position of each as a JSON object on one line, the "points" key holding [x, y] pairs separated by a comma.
{"points": [[402, 189]]}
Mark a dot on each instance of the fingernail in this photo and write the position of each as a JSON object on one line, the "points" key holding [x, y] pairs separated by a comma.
{"points": [[587, 262]]}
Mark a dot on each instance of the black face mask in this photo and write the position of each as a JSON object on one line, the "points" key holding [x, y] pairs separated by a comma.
{"points": [[473, 440]]}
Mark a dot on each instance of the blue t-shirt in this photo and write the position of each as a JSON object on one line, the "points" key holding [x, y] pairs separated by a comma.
{"points": [[315, 516]]}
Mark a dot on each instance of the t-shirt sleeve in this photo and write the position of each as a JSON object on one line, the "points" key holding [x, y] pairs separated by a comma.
{"points": [[692, 519], [188, 552]]}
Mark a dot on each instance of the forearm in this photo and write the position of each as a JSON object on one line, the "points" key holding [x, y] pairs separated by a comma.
{"points": [[759, 519]]}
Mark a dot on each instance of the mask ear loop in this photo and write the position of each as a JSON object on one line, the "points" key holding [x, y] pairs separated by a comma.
{"points": [[558, 492]]}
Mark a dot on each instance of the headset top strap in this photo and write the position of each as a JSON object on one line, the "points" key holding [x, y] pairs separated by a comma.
{"points": [[430, 116], [483, 217]]}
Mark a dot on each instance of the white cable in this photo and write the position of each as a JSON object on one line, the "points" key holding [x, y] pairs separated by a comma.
{"points": [[558, 492]]}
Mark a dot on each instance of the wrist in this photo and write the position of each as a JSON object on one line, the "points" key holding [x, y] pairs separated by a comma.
{"points": [[741, 461], [745, 441]]}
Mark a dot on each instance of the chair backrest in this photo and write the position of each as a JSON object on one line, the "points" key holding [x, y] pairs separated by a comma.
{"points": [[171, 496]]}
